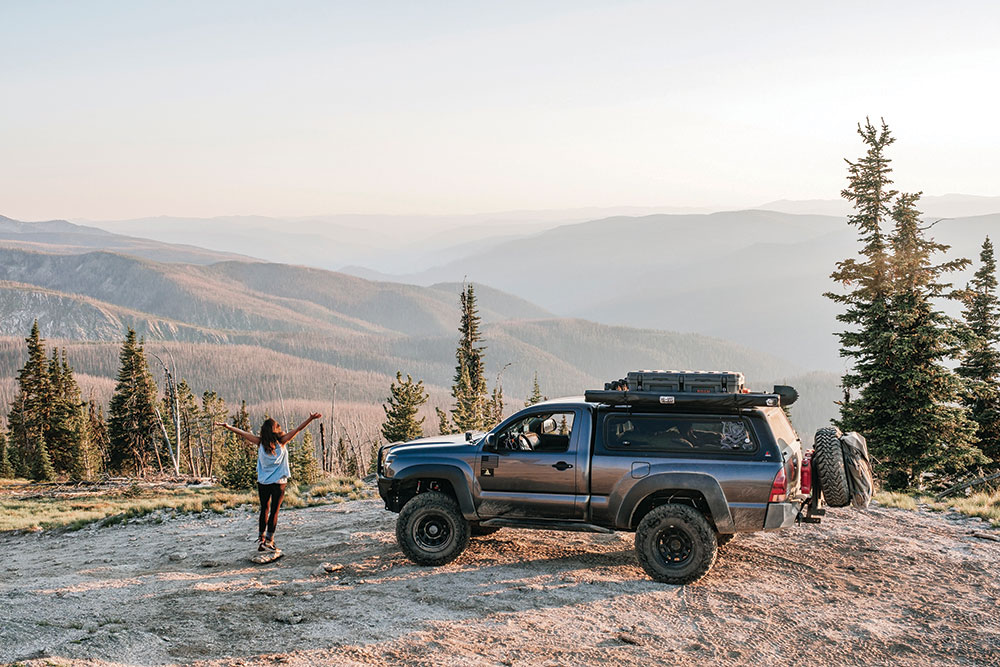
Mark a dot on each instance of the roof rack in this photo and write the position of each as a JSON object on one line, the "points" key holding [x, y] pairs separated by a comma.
{"points": [[685, 399]]}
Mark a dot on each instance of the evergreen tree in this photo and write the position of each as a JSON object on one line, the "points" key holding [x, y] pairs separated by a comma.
{"points": [[471, 397], [305, 467], [866, 341], [239, 461], [467, 413], [980, 367], [895, 339], [495, 406], [6, 469], [242, 418], [927, 430], [401, 407], [444, 424], [30, 412], [536, 393], [97, 437], [41, 468], [65, 431], [132, 423]]}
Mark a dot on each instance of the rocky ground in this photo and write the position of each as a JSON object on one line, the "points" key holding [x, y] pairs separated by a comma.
{"points": [[883, 586]]}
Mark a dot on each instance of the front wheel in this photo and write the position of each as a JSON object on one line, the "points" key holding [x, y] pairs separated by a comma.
{"points": [[431, 530], [675, 544], [724, 538]]}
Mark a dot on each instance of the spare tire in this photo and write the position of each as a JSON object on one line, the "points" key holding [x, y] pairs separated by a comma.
{"points": [[828, 460]]}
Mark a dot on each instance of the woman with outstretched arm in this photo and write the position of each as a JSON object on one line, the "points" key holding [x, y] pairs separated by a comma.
{"points": [[272, 472]]}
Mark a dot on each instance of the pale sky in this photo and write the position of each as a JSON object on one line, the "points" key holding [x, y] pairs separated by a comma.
{"points": [[127, 109]]}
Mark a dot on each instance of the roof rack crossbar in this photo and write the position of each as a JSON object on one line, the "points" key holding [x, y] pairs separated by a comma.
{"points": [[714, 400]]}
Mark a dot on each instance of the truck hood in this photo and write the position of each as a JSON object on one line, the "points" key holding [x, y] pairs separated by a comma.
{"points": [[451, 443]]}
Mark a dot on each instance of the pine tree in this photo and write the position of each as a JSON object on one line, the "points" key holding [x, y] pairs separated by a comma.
{"points": [[64, 432], [444, 424], [470, 393], [97, 437], [30, 412], [305, 468], [132, 421], [866, 341], [41, 468], [895, 339], [6, 469], [239, 461], [495, 406], [926, 430], [466, 415], [401, 407], [536, 393], [980, 367]]}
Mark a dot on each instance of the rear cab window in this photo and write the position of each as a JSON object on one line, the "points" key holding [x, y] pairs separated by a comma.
{"points": [[679, 434]]}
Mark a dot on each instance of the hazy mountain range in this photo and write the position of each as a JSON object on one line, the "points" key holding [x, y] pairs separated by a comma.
{"points": [[265, 332], [577, 299], [756, 277]]}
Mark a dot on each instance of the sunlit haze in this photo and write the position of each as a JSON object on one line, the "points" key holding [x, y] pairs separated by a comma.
{"points": [[121, 109]]}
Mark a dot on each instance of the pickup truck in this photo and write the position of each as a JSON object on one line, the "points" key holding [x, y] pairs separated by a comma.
{"points": [[684, 472]]}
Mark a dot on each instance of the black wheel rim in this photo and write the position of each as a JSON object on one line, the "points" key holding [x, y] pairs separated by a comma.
{"points": [[675, 546], [432, 532]]}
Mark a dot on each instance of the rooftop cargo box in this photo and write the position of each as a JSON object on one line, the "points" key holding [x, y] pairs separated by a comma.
{"points": [[696, 382]]}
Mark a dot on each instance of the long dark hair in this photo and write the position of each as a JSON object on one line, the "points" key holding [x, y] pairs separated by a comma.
{"points": [[268, 437]]}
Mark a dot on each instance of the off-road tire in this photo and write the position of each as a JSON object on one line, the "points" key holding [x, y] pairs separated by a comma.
{"points": [[828, 460], [476, 529], [675, 544], [431, 530], [722, 539]]}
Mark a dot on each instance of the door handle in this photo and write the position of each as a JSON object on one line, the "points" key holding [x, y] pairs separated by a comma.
{"points": [[562, 465]]}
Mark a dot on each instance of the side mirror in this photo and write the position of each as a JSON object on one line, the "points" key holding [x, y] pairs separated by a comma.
{"points": [[490, 442]]}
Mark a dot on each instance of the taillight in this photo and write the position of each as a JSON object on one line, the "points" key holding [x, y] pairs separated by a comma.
{"points": [[806, 477], [779, 489]]}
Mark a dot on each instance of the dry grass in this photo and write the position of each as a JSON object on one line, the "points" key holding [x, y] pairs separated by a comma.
{"points": [[24, 506], [985, 505]]}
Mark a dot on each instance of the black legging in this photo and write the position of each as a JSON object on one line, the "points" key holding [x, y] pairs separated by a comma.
{"points": [[270, 495]]}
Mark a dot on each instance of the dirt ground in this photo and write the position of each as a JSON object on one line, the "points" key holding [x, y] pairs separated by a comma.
{"points": [[884, 586]]}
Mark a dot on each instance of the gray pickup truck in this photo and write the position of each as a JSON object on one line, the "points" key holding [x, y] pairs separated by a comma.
{"points": [[684, 471]]}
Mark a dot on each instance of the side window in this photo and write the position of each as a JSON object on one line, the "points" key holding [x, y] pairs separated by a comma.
{"points": [[677, 434], [544, 432]]}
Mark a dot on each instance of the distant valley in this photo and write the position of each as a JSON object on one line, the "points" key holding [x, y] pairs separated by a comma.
{"points": [[273, 332]]}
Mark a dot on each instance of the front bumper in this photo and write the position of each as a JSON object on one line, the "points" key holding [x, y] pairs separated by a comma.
{"points": [[385, 489], [780, 515]]}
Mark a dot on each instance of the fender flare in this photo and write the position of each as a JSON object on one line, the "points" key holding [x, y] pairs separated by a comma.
{"points": [[705, 484], [453, 474]]}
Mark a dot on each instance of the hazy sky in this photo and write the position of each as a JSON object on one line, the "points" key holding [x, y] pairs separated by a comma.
{"points": [[127, 109]]}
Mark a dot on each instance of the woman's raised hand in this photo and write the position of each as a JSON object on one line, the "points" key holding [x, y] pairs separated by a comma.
{"points": [[315, 416], [222, 424]]}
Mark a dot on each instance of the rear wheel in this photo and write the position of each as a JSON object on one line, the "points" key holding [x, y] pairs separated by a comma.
{"points": [[431, 530], [675, 544], [828, 460]]}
